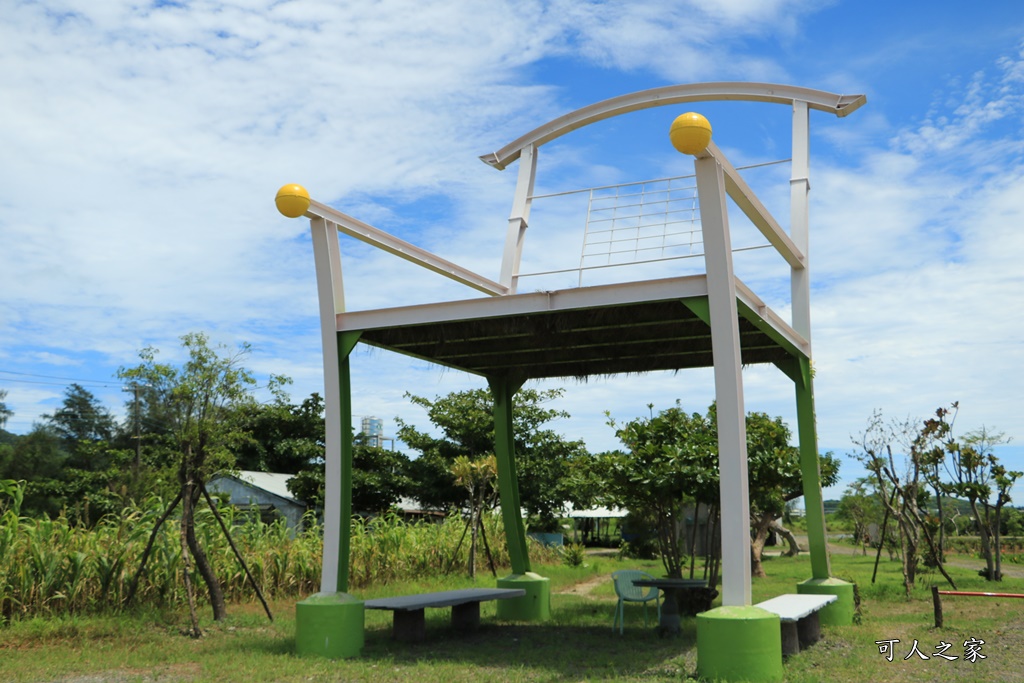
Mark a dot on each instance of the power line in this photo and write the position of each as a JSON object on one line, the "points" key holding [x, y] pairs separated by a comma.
{"points": [[103, 383], [53, 384]]}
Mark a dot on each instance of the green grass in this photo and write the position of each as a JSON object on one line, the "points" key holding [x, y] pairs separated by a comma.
{"points": [[578, 644]]}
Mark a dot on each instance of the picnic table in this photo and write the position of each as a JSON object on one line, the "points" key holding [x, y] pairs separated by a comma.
{"points": [[687, 596]]}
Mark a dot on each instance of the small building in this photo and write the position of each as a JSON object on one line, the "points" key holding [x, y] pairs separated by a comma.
{"points": [[266, 492], [594, 525], [411, 510]]}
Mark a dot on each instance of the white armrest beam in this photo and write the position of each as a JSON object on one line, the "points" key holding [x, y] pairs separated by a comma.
{"points": [[404, 250], [748, 202]]}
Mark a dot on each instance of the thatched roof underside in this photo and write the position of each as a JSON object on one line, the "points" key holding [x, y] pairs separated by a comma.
{"points": [[601, 340]]}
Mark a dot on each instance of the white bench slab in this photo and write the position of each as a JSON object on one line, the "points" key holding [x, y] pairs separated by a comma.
{"points": [[409, 623], [798, 615]]}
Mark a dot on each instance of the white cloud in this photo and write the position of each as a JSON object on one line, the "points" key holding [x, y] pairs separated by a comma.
{"points": [[146, 143], [683, 41], [142, 147], [916, 252]]}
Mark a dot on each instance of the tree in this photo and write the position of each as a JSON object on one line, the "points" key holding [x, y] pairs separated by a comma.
{"points": [[81, 417], [283, 437], [860, 508], [198, 400], [898, 487], [96, 476], [774, 475], [899, 455], [466, 420], [1013, 522], [38, 459], [477, 477], [68, 463], [5, 412], [280, 436], [976, 475], [671, 460], [1004, 480], [379, 478]]}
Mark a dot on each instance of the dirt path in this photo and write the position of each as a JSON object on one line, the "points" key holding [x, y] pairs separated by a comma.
{"points": [[585, 587]]}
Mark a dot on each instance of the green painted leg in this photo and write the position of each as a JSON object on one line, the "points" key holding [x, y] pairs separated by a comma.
{"points": [[810, 473], [508, 482], [534, 606], [329, 625], [739, 644], [346, 342], [840, 612]]}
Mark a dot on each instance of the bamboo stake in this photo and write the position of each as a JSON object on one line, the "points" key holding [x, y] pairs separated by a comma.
{"points": [[149, 547], [234, 549], [185, 561]]}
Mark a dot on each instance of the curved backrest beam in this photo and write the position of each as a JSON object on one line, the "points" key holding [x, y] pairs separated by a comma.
{"points": [[840, 105]]}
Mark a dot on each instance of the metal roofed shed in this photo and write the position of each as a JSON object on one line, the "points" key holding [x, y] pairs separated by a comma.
{"points": [[267, 491], [596, 513], [593, 525]]}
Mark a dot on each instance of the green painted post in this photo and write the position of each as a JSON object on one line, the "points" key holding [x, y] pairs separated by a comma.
{"points": [[536, 604], [331, 623], [841, 612], [810, 472], [346, 342], [508, 481]]}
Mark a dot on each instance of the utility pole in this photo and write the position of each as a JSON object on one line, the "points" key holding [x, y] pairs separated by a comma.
{"points": [[138, 435]]}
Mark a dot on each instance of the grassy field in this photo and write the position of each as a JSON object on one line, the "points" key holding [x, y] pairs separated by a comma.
{"points": [[578, 644]]}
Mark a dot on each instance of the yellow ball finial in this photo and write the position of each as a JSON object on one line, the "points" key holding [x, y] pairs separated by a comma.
{"points": [[690, 133], [292, 200]]}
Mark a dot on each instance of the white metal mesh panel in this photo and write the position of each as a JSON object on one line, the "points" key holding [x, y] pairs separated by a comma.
{"points": [[641, 222]]}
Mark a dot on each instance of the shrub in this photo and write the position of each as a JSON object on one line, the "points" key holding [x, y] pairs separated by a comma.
{"points": [[573, 554]]}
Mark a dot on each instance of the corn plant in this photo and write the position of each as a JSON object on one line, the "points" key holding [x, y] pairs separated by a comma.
{"points": [[50, 567]]}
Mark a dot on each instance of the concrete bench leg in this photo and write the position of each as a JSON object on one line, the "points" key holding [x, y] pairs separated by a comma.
{"points": [[466, 617], [790, 638], [410, 626], [809, 629]]}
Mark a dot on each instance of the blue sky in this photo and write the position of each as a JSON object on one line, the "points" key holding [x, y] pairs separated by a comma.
{"points": [[142, 147]]}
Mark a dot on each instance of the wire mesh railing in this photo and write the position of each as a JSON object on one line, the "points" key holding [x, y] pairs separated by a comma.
{"points": [[630, 224], [643, 222]]}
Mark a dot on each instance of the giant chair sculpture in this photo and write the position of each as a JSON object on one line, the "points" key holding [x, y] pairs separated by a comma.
{"points": [[637, 326]]}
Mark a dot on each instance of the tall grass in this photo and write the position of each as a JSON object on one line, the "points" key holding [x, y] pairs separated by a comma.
{"points": [[50, 567]]}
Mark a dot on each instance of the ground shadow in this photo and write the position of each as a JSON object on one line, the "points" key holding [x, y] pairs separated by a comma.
{"points": [[562, 649]]}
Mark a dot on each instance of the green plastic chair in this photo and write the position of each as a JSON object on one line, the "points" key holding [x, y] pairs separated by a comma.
{"points": [[627, 592]]}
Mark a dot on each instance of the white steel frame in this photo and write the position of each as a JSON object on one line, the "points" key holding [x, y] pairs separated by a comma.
{"points": [[716, 178]]}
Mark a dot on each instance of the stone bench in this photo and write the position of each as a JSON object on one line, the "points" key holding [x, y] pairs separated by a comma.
{"points": [[798, 615], [410, 622]]}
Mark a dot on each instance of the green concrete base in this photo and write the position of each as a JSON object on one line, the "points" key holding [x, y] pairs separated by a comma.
{"points": [[840, 612], [739, 644], [329, 625], [534, 606]]}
